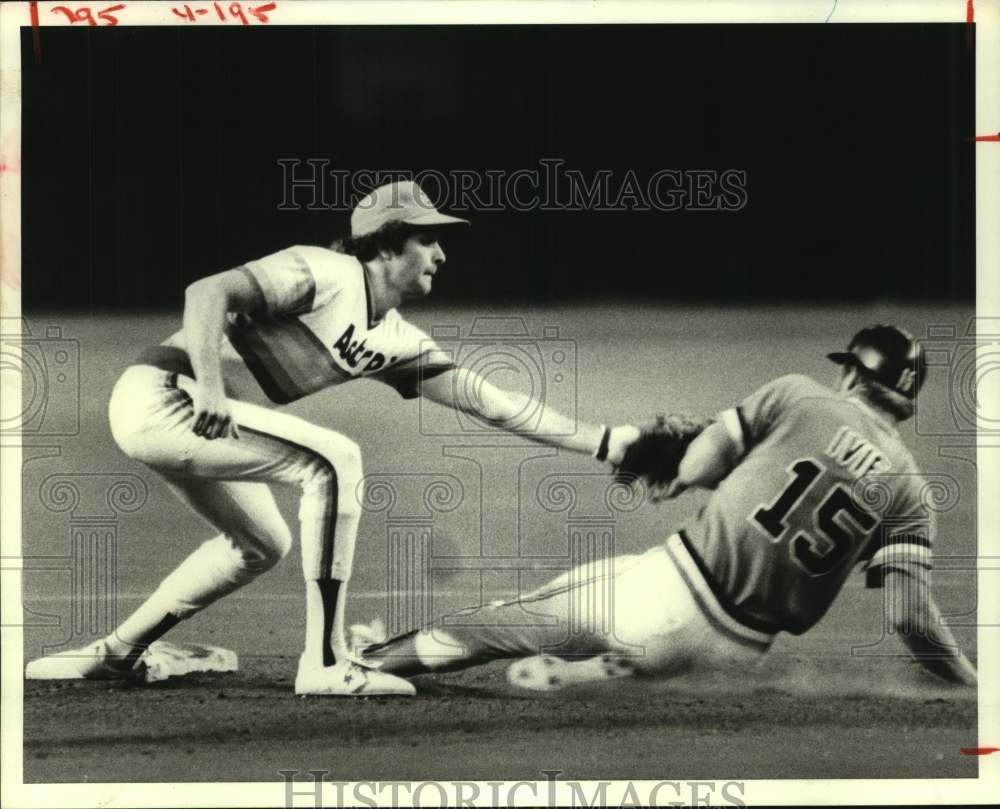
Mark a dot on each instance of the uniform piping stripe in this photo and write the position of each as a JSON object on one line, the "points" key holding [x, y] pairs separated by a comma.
{"points": [[306, 337], [734, 426], [307, 299], [715, 618], [243, 268], [265, 367], [369, 305], [407, 379], [305, 359], [437, 370], [542, 594], [710, 591], [901, 553], [906, 539], [744, 429], [330, 516], [407, 365], [899, 548], [706, 601], [329, 526], [304, 286]]}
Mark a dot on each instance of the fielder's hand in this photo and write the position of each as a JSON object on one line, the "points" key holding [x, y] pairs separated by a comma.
{"points": [[211, 413], [614, 442], [654, 456]]}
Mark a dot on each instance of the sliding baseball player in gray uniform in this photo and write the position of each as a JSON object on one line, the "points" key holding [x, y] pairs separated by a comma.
{"points": [[807, 484]]}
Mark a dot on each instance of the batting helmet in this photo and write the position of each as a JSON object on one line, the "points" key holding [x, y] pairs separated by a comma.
{"points": [[888, 355]]}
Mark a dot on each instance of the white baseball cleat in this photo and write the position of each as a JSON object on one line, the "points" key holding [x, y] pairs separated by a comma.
{"points": [[161, 661], [345, 678], [548, 673], [93, 662]]}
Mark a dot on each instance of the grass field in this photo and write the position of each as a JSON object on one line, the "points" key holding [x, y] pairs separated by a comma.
{"points": [[837, 702]]}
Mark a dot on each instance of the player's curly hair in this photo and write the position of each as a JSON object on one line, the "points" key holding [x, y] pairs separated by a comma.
{"points": [[391, 236], [883, 397]]}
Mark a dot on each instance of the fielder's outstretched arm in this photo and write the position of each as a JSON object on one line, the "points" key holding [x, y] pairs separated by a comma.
{"points": [[206, 303], [468, 392], [917, 621]]}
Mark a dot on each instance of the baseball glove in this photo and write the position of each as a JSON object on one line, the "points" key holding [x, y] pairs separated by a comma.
{"points": [[655, 456]]}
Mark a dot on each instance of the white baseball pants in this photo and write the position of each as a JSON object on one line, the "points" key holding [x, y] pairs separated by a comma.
{"points": [[227, 482], [654, 609]]}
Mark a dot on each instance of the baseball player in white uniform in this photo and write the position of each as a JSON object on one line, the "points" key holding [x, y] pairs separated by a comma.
{"points": [[796, 472], [198, 409]]}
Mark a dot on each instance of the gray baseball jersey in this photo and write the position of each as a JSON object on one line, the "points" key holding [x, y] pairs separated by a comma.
{"points": [[823, 483]]}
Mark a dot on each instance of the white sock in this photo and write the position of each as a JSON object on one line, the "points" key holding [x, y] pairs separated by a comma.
{"points": [[214, 569]]}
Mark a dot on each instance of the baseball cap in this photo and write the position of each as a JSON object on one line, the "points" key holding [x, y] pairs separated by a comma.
{"points": [[398, 202], [888, 355]]}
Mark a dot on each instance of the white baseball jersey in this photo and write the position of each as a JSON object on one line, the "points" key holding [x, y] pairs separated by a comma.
{"points": [[823, 483], [318, 330]]}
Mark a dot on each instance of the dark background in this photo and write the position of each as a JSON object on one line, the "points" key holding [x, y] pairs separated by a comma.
{"points": [[150, 155]]}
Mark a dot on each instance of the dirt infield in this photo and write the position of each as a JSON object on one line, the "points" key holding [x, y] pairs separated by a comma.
{"points": [[248, 726], [838, 702]]}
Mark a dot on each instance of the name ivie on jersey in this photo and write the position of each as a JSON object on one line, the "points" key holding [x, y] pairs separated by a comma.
{"points": [[781, 533], [857, 455]]}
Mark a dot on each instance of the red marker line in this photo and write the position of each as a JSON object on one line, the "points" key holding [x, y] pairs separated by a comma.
{"points": [[990, 138], [36, 31], [970, 12], [978, 751]]}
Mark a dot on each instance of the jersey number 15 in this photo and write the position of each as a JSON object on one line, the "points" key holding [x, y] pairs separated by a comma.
{"points": [[838, 523]]}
